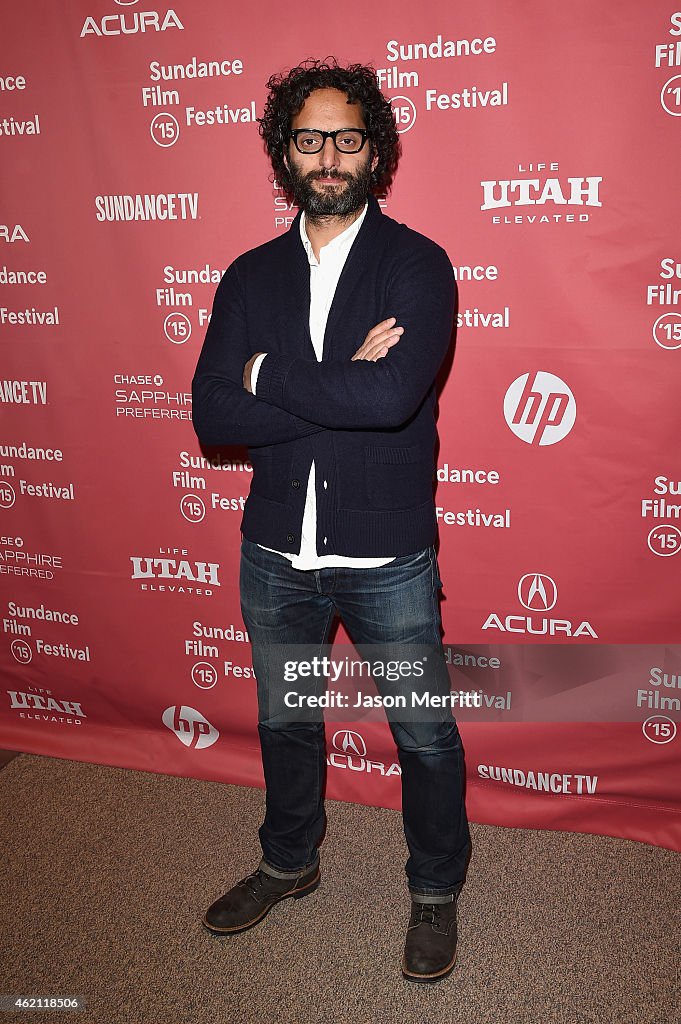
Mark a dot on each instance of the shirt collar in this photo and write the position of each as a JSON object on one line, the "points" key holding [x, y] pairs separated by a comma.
{"points": [[346, 238]]}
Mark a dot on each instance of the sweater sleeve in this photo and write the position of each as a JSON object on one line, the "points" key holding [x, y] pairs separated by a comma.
{"points": [[346, 394], [223, 411]]}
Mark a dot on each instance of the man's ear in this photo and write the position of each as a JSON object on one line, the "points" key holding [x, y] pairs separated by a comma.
{"points": [[374, 162]]}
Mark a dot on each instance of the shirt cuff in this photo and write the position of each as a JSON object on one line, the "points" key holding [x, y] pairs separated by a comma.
{"points": [[255, 370]]}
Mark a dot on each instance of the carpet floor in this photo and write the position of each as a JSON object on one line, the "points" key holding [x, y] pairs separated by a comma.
{"points": [[106, 874]]}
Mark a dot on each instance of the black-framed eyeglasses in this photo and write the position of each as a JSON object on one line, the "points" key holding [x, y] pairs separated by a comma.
{"points": [[346, 140]]}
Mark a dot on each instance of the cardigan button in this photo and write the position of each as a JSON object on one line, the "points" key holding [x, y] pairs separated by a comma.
{"points": [[295, 483], [290, 538]]}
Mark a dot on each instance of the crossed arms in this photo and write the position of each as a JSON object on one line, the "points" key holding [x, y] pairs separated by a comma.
{"points": [[296, 397]]}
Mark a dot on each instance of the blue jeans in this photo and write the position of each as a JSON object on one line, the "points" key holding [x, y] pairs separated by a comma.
{"points": [[393, 604]]}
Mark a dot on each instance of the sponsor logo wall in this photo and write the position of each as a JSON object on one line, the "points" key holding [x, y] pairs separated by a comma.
{"points": [[133, 174]]}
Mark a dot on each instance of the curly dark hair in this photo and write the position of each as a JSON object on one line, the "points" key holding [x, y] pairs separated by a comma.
{"points": [[288, 92]]}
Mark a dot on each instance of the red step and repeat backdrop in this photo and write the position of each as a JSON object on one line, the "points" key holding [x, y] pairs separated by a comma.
{"points": [[540, 149]]}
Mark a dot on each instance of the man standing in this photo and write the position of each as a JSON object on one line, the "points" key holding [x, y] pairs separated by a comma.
{"points": [[321, 356]]}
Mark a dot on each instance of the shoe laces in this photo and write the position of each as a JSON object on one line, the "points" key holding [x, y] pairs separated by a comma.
{"points": [[255, 882], [427, 912]]}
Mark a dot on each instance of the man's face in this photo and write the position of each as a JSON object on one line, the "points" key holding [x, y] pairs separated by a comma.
{"points": [[329, 183]]}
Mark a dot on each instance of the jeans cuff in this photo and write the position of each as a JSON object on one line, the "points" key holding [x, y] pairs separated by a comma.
{"points": [[278, 873], [436, 895]]}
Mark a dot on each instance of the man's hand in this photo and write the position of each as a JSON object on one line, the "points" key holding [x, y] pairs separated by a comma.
{"points": [[379, 341], [247, 372], [375, 346]]}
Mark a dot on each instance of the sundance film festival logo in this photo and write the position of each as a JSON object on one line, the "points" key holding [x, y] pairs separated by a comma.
{"points": [[404, 112], [190, 727], [540, 409], [538, 594], [350, 752], [7, 494]]}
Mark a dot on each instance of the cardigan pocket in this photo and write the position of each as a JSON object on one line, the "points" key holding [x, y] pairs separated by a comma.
{"points": [[397, 478]]}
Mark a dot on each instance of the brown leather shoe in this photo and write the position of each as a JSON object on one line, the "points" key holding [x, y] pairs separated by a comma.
{"points": [[430, 949], [253, 897]]}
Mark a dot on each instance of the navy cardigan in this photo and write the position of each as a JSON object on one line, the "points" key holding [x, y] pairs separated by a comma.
{"points": [[369, 427]]}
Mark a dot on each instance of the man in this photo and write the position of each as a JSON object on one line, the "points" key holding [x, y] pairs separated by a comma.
{"points": [[321, 356]]}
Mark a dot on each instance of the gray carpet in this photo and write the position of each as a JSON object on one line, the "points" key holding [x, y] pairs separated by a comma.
{"points": [[107, 872]]}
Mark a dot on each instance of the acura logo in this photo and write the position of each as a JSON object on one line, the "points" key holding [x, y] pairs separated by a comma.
{"points": [[349, 742], [537, 592]]}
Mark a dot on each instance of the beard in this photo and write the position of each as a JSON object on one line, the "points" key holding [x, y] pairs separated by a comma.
{"points": [[337, 201]]}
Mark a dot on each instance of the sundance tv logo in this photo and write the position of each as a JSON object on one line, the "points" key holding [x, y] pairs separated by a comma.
{"points": [[541, 409], [350, 751], [538, 594], [190, 727]]}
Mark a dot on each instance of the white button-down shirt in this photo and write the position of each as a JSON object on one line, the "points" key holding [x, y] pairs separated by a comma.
{"points": [[324, 276]]}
